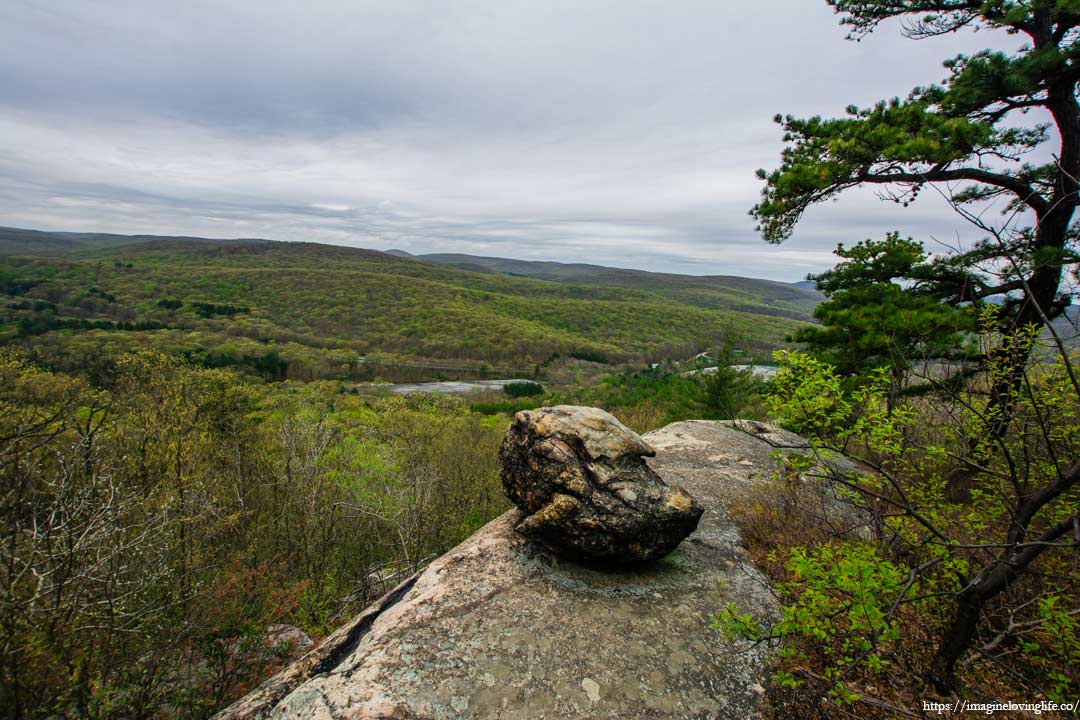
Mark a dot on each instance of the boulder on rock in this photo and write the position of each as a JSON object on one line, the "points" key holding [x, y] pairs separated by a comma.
{"points": [[584, 491], [500, 629]]}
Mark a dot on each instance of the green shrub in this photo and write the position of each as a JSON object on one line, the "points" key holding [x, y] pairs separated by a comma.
{"points": [[591, 356], [207, 507], [506, 407], [523, 389], [960, 551]]}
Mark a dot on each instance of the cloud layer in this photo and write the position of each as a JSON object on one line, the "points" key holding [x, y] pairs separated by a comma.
{"points": [[619, 132]]}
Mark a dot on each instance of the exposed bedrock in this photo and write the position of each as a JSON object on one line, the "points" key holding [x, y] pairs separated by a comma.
{"points": [[502, 628], [584, 490]]}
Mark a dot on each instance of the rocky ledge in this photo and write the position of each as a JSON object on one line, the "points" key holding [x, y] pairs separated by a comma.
{"points": [[500, 627]]}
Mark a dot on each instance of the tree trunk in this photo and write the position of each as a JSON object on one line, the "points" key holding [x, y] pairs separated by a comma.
{"points": [[1049, 243], [997, 576], [956, 640]]}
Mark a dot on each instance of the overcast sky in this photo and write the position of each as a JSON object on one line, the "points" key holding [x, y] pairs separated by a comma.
{"points": [[620, 132]]}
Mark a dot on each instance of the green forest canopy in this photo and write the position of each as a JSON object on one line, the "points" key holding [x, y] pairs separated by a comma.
{"points": [[304, 310]]}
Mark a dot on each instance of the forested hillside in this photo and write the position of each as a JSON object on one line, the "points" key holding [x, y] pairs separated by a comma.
{"points": [[308, 311], [157, 523], [724, 292]]}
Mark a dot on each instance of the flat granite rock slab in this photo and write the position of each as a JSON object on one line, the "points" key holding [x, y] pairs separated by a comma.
{"points": [[718, 461], [500, 628]]}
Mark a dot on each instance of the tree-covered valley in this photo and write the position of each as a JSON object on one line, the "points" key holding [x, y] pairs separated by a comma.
{"points": [[307, 311]]}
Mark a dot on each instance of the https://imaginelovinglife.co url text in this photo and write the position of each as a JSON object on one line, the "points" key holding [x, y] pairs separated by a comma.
{"points": [[989, 708]]}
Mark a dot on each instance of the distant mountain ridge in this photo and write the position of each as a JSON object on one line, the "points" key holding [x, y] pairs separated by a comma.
{"points": [[709, 291], [308, 310], [732, 292], [20, 241]]}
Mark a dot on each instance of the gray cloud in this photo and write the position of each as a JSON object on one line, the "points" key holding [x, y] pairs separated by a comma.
{"points": [[623, 133]]}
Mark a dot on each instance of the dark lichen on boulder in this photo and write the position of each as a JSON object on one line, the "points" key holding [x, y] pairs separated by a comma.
{"points": [[584, 491]]}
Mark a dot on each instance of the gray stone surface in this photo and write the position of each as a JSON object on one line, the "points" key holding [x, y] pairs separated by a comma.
{"points": [[500, 628], [287, 636], [579, 477]]}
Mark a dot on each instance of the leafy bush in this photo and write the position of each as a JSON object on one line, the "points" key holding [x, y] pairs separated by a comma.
{"points": [[523, 389], [18, 281], [98, 292], [207, 507], [506, 407], [839, 601], [269, 365], [590, 356], [959, 550], [208, 310]]}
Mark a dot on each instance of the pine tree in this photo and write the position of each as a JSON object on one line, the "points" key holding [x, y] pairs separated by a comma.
{"points": [[880, 313], [967, 139]]}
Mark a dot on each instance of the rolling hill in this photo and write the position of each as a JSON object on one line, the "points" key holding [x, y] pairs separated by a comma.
{"points": [[310, 311], [720, 292]]}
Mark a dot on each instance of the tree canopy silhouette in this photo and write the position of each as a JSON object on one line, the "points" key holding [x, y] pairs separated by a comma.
{"points": [[970, 139]]}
